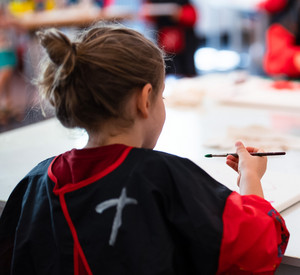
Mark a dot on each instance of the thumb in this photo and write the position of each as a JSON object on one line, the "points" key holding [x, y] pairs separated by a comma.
{"points": [[240, 148]]}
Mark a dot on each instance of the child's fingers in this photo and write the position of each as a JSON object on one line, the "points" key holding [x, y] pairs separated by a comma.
{"points": [[232, 163], [253, 149], [233, 158], [260, 150]]}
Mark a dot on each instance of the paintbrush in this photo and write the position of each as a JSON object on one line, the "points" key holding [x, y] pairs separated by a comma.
{"points": [[259, 154]]}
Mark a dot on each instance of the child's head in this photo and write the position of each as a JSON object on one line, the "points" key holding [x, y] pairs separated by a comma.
{"points": [[90, 80]]}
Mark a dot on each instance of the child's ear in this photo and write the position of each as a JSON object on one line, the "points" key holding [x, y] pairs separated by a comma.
{"points": [[143, 100]]}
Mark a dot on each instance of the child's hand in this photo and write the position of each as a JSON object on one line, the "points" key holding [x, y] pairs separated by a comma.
{"points": [[250, 169]]}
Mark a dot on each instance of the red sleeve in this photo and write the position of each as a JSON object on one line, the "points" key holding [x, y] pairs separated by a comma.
{"points": [[188, 15], [280, 52], [254, 236], [272, 6]]}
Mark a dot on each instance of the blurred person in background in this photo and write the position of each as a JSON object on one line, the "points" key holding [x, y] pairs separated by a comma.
{"points": [[8, 63], [174, 21], [282, 55]]}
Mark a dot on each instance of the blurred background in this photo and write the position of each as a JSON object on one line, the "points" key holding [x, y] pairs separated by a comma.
{"points": [[256, 37]]}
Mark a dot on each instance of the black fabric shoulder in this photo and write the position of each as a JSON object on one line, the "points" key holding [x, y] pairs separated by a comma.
{"points": [[40, 168], [11, 214], [13, 204], [193, 203]]}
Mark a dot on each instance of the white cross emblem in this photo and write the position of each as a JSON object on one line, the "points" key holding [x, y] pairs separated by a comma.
{"points": [[120, 204]]}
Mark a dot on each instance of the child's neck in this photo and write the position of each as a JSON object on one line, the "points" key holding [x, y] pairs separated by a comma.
{"points": [[130, 138]]}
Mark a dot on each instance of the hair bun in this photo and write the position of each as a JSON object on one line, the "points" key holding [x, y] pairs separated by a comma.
{"points": [[60, 49]]}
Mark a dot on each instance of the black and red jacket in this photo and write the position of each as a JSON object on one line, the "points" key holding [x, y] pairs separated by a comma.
{"points": [[141, 212]]}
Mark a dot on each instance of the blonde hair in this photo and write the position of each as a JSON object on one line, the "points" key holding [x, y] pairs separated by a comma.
{"points": [[90, 79]]}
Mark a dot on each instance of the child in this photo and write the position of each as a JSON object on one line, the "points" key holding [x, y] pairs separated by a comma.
{"points": [[118, 206]]}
